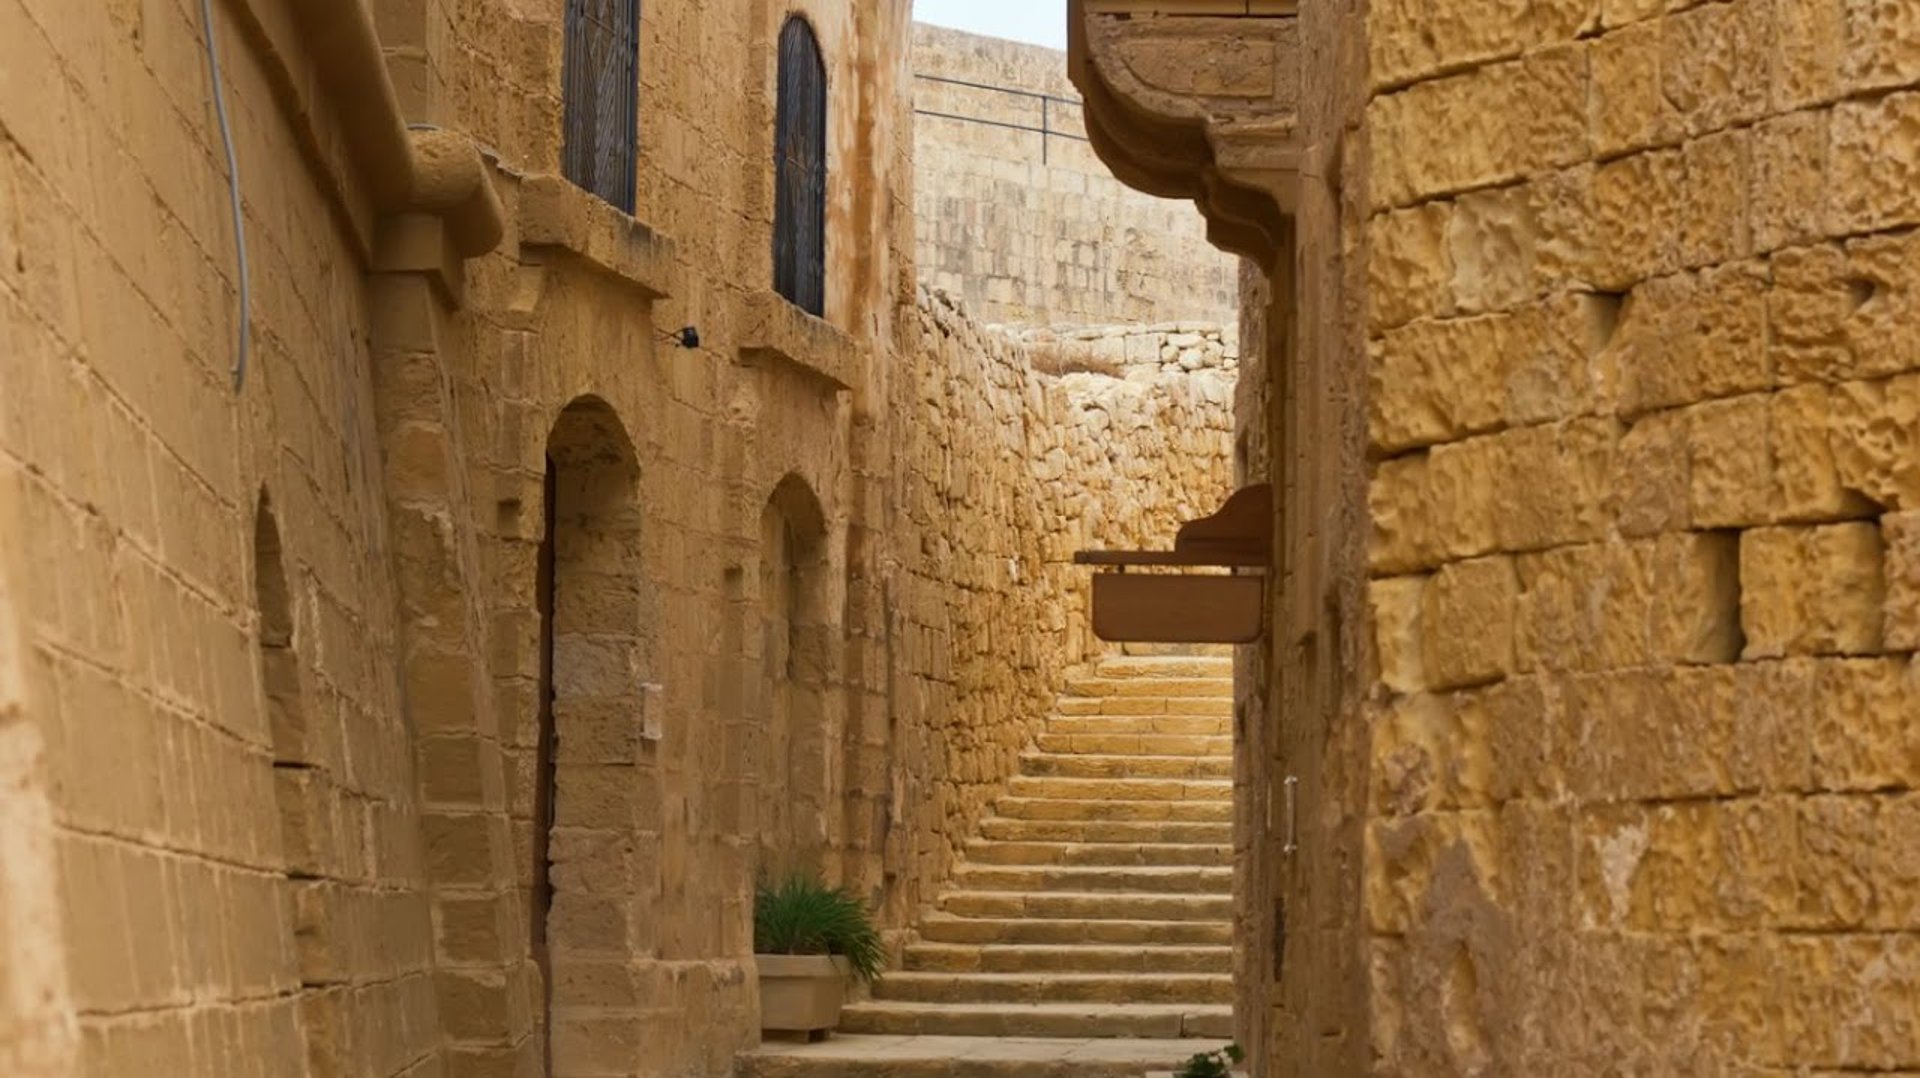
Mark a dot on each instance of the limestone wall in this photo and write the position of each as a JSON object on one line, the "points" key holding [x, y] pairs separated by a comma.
{"points": [[1047, 242], [1005, 471], [294, 675], [1643, 412], [224, 880]]}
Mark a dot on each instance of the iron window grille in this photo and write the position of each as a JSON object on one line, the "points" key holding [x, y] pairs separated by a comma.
{"points": [[601, 69], [800, 172]]}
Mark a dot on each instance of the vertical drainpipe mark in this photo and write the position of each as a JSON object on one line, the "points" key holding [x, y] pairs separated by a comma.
{"points": [[233, 191]]}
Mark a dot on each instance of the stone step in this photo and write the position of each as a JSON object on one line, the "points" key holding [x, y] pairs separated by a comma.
{"points": [[1081, 958], [1132, 832], [1088, 905], [1205, 855], [1057, 808], [853, 1055], [1214, 707], [1135, 744], [1169, 666], [1052, 987], [1146, 879], [1061, 788], [1120, 767], [1159, 722], [938, 927], [1201, 687], [1157, 1020]]}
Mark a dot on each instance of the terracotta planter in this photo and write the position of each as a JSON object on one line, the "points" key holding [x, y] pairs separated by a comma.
{"points": [[801, 993]]}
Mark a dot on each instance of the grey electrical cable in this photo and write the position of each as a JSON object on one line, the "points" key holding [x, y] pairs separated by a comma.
{"points": [[233, 191]]}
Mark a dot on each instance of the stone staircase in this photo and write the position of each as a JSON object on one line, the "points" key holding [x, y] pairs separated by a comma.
{"points": [[1095, 904]]}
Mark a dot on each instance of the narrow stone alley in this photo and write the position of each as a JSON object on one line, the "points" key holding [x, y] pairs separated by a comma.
{"points": [[492, 490]]}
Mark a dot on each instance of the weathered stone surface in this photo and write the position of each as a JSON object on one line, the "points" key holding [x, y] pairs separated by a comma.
{"points": [[1637, 217], [1876, 440], [1875, 164], [1410, 271], [1789, 179], [1466, 622], [1398, 644], [1812, 591], [1490, 237], [1713, 64], [1729, 463], [1900, 533], [1440, 380], [1630, 109]]}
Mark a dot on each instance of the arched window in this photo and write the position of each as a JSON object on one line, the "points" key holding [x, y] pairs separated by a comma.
{"points": [[601, 73], [800, 172]]}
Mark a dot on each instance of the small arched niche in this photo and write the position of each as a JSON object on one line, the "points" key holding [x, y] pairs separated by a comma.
{"points": [[799, 757], [586, 901]]}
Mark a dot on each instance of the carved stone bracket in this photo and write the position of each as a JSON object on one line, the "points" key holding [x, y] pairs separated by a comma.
{"points": [[1197, 99], [775, 334]]}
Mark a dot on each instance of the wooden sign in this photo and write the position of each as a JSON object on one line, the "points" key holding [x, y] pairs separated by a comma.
{"points": [[1135, 608], [1189, 608]]}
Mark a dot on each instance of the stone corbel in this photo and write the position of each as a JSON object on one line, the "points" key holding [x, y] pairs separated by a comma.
{"points": [[451, 214], [777, 334], [1197, 99]]}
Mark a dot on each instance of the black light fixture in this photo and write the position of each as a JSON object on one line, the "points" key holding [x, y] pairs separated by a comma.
{"points": [[686, 337]]}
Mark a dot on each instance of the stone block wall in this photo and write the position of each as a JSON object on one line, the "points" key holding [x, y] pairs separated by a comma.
{"points": [[272, 667], [1644, 429], [188, 883], [1052, 240], [1005, 471]]}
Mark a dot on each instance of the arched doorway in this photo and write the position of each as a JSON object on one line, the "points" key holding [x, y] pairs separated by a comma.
{"points": [[587, 777], [799, 758]]}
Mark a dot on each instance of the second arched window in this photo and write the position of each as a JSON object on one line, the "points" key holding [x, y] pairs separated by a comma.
{"points": [[800, 171]]}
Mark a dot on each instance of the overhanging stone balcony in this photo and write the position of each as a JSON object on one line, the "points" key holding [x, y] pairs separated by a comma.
{"points": [[1197, 99]]}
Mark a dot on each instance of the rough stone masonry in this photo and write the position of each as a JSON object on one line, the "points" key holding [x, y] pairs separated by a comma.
{"points": [[430, 702], [1577, 342], [1586, 335]]}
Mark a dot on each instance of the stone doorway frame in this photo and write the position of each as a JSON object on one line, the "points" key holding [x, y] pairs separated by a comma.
{"points": [[601, 812]]}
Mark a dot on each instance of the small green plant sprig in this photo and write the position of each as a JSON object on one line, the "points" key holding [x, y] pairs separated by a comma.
{"points": [[802, 915], [1218, 1064]]}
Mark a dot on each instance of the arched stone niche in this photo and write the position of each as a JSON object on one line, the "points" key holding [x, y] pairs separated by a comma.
{"points": [[799, 753], [596, 797]]}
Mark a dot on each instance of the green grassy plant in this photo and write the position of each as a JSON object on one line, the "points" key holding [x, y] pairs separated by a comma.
{"points": [[1212, 1064], [802, 915]]}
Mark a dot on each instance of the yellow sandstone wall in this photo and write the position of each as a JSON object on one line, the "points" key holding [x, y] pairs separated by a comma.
{"points": [[1003, 472], [1582, 362], [1642, 415], [211, 903], [270, 658], [1053, 240]]}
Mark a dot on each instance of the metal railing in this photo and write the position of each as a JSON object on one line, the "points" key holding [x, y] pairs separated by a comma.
{"points": [[1046, 130]]}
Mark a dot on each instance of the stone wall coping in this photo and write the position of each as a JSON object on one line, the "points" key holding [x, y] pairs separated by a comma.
{"points": [[774, 329], [555, 213]]}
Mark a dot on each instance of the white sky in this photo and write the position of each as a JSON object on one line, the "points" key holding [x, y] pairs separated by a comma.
{"points": [[1038, 22]]}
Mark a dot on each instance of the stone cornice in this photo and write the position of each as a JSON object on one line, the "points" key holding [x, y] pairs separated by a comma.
{"points": [[1197, 99]]}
